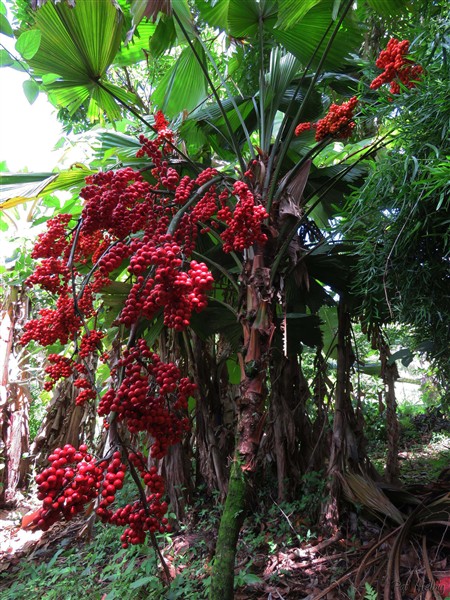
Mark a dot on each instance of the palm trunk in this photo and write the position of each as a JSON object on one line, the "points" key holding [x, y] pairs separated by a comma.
{"points": [[289, 425], [390, 374], [64, 423], [348, 441], [258, 329], [214, 423]]}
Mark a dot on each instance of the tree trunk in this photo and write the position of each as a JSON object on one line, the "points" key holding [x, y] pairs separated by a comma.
{"points": [[258, 329], [64, 423], [177, 473], [233, 516], [214, 423], [389, 374], [14, 400], [321, 432], [348, 442], [289, 425]]}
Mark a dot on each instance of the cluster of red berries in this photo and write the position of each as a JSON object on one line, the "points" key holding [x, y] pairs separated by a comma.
{"points": [[397, 68], [113, 477], [90, 343], [52, 274], [244, 224], [166, 285], [338, 123], [112, 257], [116, 202], [60, 324], [74, 479], [152, 397], [54, 242], [142, 517], [165, 136], [60, 367], [87, 391], [126, 218], [67, 485]]}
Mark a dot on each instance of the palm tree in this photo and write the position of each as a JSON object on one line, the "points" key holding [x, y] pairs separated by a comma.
{"points": [[275, 286]]}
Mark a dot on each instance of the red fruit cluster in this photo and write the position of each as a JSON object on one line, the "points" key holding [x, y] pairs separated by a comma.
{"points": [[338, 122], [90, 343], [51, 274], [112, 482], [116, 202], [301, 127], [166, 285], [54, 242], [140, 517], [60, 367], [60, 324], [125, 218], [165, 134], [152, 397], [244, 224], [397, 68], [67, 485], [112, 258], [74, 479], [87, 391]]}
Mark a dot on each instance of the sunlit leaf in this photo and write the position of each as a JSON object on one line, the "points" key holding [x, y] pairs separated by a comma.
{"points": [[78, 44], [183, 87], [388, 8], [303, 38], [135, 50], [31, 90], [28, 43], [164, 36], [244, 17], [18, 188], [292, 11], [214, 13], [5, 27], [6, 59]]}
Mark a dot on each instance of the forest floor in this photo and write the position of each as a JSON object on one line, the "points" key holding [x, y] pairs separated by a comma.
{"points": [[282, 553]]}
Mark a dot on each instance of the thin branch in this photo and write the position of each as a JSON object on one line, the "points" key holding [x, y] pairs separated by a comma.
{"points": [[285, 146], [214, 91], [148, 125]]}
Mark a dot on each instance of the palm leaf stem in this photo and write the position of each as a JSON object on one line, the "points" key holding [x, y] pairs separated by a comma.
{"points": [[198, 194], [223, 82], [219, 268], [285, 121], [10, 219], [326, 187], [216, 236], [214, 91], [313, 152], [290, 235], [285, 146], [149, 126], [262, 124]]}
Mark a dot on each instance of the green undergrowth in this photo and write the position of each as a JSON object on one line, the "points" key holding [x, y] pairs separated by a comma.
{"points": [[94, 570], [101, 570], [73, 569]]}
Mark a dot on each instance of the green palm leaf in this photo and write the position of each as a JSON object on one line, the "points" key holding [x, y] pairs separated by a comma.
{"points": [[135, 50], [18, 188], [184, 86], [79, 44], [302, 39]]}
